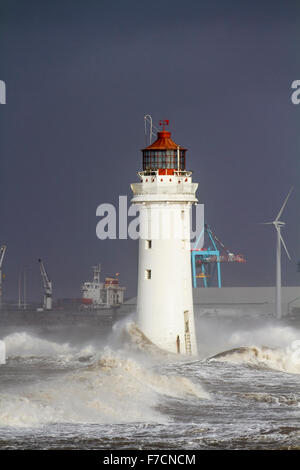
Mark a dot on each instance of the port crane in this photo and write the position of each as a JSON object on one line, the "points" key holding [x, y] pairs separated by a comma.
{"points": [[47, 287], [2, 253], [209, 259]]}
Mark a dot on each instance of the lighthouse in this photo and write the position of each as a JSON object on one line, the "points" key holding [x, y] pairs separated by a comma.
{"points": [[164, 195]]}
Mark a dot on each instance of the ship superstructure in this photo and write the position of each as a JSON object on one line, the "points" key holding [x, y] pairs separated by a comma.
{"points": [[98, 294]]}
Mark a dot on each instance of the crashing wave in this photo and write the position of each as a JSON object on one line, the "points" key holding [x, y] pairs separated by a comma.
{"points": [[285, 360]]}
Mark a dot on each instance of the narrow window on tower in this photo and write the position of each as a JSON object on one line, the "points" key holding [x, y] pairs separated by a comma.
{"points": [[148, 274], [148, 244]]}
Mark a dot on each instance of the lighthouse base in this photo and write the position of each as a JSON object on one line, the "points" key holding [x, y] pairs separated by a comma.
{"points": [[172, 342]]}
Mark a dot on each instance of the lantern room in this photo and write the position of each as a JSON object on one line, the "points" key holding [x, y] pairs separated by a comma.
{"points": [[164, 154]]}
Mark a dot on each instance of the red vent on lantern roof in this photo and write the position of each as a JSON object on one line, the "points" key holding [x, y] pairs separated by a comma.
{"points": [[163, 141]]}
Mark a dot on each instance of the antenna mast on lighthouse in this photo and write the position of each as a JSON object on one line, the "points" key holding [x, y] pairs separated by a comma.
{"points": [[148, 120]]}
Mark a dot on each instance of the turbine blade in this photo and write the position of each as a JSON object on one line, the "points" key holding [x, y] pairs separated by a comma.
{"points": [[282, 241], [284, 204], [265, 223]]}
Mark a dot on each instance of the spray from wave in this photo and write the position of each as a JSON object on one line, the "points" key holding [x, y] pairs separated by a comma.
{"points": [[26, 347], [24, 344], [284, 360], [114, 387], [255, 341]]}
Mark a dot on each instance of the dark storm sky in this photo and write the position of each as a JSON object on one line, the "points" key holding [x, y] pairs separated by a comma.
{"points": [[80, 76]]}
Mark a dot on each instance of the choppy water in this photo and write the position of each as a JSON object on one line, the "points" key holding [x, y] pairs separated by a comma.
{"points": [[87, 387]]}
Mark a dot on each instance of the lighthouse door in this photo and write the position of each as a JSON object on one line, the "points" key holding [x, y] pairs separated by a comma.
{"points": [[178, 344], [187, 336]]}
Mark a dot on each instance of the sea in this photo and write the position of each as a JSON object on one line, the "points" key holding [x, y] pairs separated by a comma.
{"points": [[89, 382]]}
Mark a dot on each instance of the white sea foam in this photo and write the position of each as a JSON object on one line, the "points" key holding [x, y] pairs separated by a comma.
{"points": [[25, 344], [276, 336], [111, 390], [282, 350], [30, 348], [285, 360], [290, 399]]}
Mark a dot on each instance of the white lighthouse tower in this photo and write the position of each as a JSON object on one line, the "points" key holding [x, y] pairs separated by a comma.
{"points": [[165, 194]]}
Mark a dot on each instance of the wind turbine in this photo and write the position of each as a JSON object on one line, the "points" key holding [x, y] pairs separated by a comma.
{"points": [[278, 224]]}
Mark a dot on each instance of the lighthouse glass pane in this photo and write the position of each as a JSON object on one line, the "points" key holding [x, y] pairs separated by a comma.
{"points": [[155, 159]]}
